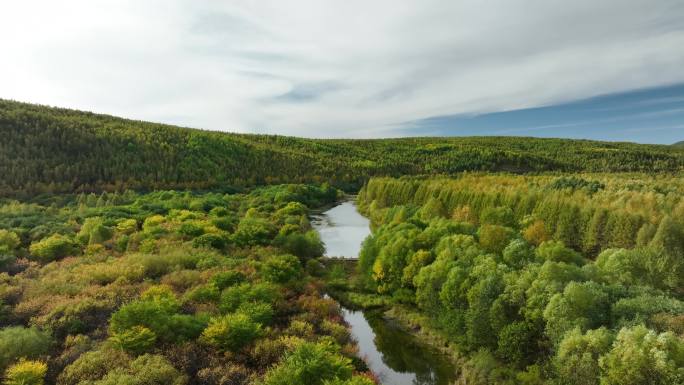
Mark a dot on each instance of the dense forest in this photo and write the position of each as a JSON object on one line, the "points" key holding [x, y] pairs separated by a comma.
{"points": [[577, 279], [53, 150], [170, 288], [147, 254]]}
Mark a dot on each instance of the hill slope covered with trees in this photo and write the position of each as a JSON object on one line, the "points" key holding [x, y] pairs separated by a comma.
{"points": [[50, 150]]}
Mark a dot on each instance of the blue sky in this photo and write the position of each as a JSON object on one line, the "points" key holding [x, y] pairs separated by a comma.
{"points": [[609, 69], [652, 115]]}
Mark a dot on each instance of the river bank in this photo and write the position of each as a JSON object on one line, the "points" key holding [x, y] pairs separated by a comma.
{"points": [[392, 349]]}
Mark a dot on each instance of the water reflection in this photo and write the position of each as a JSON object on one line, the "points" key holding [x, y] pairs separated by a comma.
{"points": [[342, 230], [395, 355]]}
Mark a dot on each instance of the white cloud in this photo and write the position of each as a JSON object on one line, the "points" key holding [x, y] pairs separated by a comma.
{"points": [[331, 68]]}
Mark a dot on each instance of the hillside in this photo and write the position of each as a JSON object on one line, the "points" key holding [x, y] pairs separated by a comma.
{"points": [[46, 150], [679, 144]]}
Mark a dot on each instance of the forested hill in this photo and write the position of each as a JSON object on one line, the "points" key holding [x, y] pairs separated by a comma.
{"points": [[679, 144], [46, 150]]}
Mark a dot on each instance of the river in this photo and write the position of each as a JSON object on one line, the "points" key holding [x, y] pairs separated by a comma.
{"points": [[396, 356]]}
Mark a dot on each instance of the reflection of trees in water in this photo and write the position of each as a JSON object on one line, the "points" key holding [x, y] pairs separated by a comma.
{"points": [[402, 353]]}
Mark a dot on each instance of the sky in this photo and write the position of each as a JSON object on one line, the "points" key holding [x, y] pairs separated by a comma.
{"points": [[609, 69]]}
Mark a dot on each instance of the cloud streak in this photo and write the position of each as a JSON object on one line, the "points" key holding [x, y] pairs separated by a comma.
{"points": [[332, 69]]}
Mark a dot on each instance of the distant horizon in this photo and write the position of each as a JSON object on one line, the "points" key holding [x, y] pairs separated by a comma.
{"points": [[409, 136]]}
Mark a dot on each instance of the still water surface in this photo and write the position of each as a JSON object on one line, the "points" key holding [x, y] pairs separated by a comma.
{"points": [[342, 230], [394, 355]]}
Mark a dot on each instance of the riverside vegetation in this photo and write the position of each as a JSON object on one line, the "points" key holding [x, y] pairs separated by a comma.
{"points": [[141, 253], [169, 288], [534, 279]]}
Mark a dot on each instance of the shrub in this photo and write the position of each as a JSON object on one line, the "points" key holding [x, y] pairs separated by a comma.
{"points": [[282, 269], [226, 279], [191, 229], [53, 247], [26, 373], [93, 365], [259, 312], [231, 332], [9, 241], [147, 369], [137, 339], [157, 310], [210, 240], [311, 364], [94, 231], [17, 341], [127, 226]]}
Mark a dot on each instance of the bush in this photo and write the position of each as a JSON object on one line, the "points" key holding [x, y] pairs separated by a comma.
{"points": [[231, 332], [147, 369], [311, 364], [305, 246], [127, 226], [94, 231], [210, 240], [226, 279], [9, 241], [26, 373], [157, 310], [259, 312], [53, 247], [17, 341], [93, 365], [137, 339], [282, 269]]}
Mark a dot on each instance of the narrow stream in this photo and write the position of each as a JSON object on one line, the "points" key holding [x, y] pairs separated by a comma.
{"points": [[393, 354]]}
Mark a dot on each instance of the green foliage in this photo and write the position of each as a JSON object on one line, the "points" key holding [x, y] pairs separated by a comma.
{"points": [[94, 231], [311, 364], [231, 332], [9, 241], [282, 269], [577, 359], [583, 305], [26, 373], [85, 151], [17, 342], [137, 339], [574, 183], [158, 311], [641, 356], [53, 247], [495, 238], [522, 292], [216, 241], [304, 246], [147, 369]]}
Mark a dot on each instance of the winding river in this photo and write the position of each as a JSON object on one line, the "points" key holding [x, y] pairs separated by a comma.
{"points": [[395, 356]]}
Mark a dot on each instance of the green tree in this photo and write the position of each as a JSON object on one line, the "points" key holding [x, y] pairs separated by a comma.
{"points": [[577, 359], [494, 238], [585, 305], [642, 356]]}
